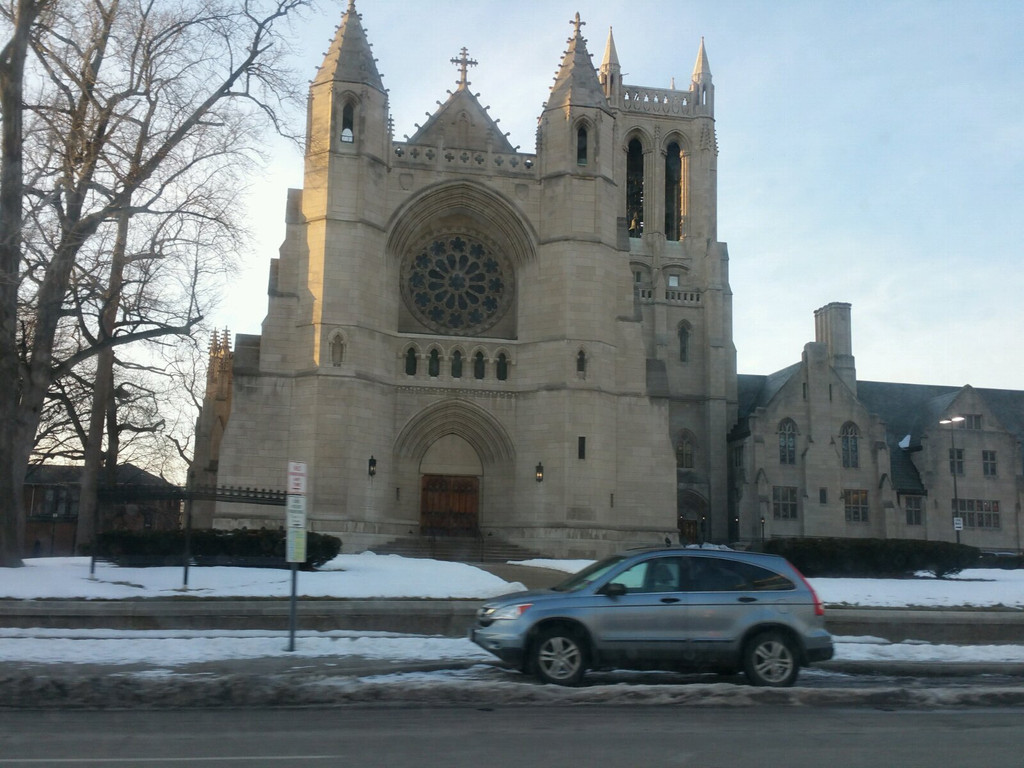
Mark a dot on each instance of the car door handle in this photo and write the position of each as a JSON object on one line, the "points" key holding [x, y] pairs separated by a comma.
{"points": [[670, 599], [746, 599]]}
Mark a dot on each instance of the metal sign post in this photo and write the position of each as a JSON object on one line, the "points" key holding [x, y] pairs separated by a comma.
{"points": [[295, 544]]}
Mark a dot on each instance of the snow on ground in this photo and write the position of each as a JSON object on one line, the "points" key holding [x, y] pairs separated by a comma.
{"points": [[390, 576]]}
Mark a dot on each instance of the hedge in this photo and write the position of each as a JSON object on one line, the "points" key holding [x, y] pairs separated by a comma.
{"points": [[262, 548], [873, 558]]}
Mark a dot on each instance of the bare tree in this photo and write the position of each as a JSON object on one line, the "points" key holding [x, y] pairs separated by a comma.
{"points": [[134, 106]]}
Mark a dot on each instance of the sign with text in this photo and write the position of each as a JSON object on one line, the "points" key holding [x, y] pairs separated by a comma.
{"points": [[958, 523], [295, 513], [297, 477]]}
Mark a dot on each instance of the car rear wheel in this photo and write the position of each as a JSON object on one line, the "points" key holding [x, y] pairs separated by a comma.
{"points": [[770, 659], [559, 657]]}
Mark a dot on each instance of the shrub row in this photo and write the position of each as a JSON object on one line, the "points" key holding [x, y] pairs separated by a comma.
{"points": [[873, 558], [264, 548]]}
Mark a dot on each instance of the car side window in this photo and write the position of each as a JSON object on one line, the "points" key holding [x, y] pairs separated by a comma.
{"points": [[632, 578], [657, 575], [708, 575]]}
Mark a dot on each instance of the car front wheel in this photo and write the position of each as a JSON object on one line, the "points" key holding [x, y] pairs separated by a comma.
{"points": [[559, 657], [769, 659]]}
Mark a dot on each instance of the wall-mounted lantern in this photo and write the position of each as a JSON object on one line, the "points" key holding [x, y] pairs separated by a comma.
{"points": [[371, 466], [540, 472]]}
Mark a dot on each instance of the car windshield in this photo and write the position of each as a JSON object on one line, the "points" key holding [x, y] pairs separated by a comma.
{"points": [[589, 574]]}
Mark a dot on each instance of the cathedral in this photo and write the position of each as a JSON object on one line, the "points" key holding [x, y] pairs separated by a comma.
{"points": [[466, 341]]}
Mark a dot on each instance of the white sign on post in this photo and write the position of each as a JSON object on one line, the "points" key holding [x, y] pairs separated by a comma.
{"points": [[295, 513], [958, 523]]}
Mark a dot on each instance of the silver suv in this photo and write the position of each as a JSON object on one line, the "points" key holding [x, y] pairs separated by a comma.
{"points": [[675, 608]]}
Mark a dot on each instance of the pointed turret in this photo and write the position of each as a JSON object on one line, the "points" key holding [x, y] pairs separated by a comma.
{"points": [[611, 73], [701, 84], [576, 83], [350, 58]]}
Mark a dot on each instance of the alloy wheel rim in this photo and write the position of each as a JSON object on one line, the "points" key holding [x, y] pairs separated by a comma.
{"points": [[773, 661], [560, 658]]}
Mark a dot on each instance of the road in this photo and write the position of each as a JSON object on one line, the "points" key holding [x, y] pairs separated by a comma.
{"points": [[507, 737]]}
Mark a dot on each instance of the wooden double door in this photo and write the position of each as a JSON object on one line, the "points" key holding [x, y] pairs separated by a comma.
{"points": [[449, 505]]}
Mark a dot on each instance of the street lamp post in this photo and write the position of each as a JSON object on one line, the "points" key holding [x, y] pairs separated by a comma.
{"points": [[951, 422]]}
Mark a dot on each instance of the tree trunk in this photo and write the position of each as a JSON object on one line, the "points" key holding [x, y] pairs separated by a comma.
{"points": [[102, 397], [13, 447]]}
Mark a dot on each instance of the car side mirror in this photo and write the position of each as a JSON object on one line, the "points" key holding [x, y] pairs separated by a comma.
{"points": [[615, 589]]}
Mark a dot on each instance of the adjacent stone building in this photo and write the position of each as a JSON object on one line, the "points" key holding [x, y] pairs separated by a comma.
{"points": [[818, 453], [465, 340]]}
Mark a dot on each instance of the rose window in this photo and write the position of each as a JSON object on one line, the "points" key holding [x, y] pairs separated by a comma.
{"points": [[456, 284]]}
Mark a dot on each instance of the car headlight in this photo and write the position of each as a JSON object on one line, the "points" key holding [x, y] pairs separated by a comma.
{"points": [[510, 611]]}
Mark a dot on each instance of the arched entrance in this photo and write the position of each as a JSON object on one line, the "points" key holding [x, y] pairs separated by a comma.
{"points": [[450, 474], [692, 518]]}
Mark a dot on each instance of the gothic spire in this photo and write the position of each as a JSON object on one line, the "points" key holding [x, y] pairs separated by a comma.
{"points": [[610, 62], [701, 68], [576, 83], [350, 58]]}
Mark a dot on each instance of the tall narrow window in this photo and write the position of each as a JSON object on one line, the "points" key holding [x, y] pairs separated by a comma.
{"points": [[787, 442], [673, 192], [684, 344], [848, 436], [347, 122], [988, 463], [337, 351], [913, 507], [684, 451], [635, 188], [434, 364], [581, 362], [410, 362], [581, 447], [456, 364], [479, 366], [502, 367], [956, 461], [581, 146]]}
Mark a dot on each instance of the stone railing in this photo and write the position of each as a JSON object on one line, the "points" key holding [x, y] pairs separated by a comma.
{"points": [[657, 101], [420, 156]]}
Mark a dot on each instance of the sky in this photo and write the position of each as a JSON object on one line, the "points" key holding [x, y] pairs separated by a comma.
{"points": [[369, 575], [869, 152]]}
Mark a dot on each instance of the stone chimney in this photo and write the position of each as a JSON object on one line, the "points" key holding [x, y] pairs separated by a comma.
{"points": [[832, 328]]}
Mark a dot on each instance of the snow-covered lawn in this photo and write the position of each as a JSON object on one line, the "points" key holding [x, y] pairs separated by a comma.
{"points": [[390, 576]]}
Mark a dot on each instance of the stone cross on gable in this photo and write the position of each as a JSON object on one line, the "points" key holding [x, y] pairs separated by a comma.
{"points": [[463, 62], [576, 23]]}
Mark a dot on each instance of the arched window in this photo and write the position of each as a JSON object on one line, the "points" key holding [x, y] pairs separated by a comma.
{"points": [[684, 343], [581, 362], [787, 442], [502, 367], [635, 188], [848, 435], [673, 192], [581, 146], [684, 451], [348, 124], [410, 362], [337, 350], [434, 364], [479, 366], [457, 364]]}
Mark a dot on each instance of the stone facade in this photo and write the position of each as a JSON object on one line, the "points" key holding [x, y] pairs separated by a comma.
{"points": [[818, 453], [469, 315], [466, 340]]}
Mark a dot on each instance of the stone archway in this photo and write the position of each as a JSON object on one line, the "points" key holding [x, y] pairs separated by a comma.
{"points": [[450, 477], [692, 518], [454, 446]]}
